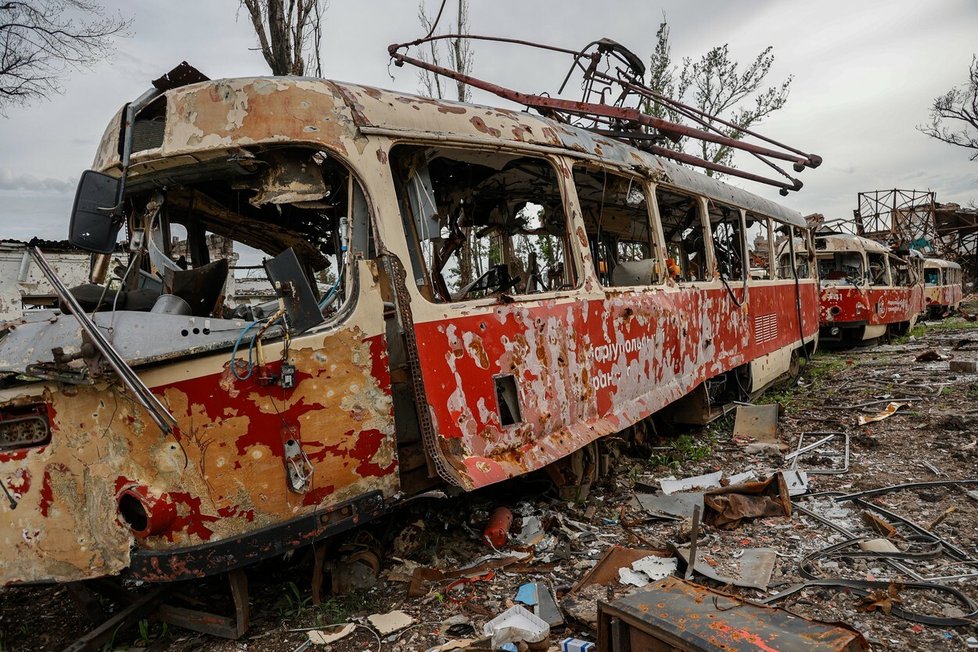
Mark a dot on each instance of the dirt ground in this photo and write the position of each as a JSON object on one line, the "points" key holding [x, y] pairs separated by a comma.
{"points": [[933, 438]]}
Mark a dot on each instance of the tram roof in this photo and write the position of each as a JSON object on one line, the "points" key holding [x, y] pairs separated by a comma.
{"points": [[226, 113], [850, 242], [940, 262]]}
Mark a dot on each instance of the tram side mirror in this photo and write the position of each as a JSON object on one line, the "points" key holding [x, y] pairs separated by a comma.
{"points": [[290, 282], [94, 225]]}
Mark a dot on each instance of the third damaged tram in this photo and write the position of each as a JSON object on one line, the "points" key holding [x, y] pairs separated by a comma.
{"points": [[942, 287]]}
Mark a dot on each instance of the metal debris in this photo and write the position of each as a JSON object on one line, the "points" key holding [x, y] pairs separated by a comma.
{"points": [[675, 613], [671, 486], [756, 423], [891, 409]]}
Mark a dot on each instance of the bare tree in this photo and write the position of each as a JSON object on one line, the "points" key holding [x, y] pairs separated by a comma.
{"points": [[289, 34], [457, 53], [718, 86], [957, 108], [41, 40]]}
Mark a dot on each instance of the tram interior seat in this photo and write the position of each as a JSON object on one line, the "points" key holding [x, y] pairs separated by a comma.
{"points": [[634, 272]]}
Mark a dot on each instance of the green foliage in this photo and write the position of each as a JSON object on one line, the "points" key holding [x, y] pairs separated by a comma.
{"points": [[292, 604], [340, 608], [718, 86], [682, 450]]}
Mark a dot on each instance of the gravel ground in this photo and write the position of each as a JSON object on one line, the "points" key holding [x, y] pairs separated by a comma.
{"points": [[931, 439]]}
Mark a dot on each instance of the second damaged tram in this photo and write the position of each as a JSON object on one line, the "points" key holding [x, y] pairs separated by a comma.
{"points": [[467, 294], [866, 290]]}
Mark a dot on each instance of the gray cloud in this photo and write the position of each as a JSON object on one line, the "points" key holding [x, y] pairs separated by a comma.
{"points": [[10, 180], [865, 74]]}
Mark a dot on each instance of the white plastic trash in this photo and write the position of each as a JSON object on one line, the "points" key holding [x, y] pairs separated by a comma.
{"points": [[514, 625]]}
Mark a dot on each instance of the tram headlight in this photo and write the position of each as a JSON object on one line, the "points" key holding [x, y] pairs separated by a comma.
{"points": [[22, 426], [145, 512]]}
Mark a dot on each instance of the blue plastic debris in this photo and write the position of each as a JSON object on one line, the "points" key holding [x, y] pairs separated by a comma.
{"points": [[527, 594], [571, 644]]}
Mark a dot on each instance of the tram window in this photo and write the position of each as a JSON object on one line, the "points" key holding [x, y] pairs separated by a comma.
{"points": [[903, 274], [758, 246], [879, 273], [616, 216], [209, 230], [803, 267], [482, 223], [841, 268], [932, 276], [727, 241], [682, 226]]}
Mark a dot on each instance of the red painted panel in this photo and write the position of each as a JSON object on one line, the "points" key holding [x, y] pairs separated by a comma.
{"points": [[588, 368]]}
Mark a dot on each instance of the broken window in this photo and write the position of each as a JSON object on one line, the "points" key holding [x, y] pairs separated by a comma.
{"points": [[728, 241], [932, 276], [758, 246], [682, 226], [800, 244], [619, 229], [904, 273], [199, 224], [482, 223], [841, 268], [879, 271]]}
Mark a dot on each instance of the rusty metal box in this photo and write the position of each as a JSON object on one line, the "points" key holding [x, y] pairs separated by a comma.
{"points": [[674, 614]]}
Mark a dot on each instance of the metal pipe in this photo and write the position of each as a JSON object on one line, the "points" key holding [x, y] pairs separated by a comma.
{"points": [[547, 104], [694, 531], [159, 413]]}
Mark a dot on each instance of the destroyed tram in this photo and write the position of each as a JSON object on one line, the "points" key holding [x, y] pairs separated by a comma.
{"points": [[465, 294]]}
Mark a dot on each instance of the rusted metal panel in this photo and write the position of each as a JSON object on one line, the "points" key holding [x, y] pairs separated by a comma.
{"points": [[868, 305], [674, 614], [222, 115], [375, 111], [221, 473], [585, 369]]}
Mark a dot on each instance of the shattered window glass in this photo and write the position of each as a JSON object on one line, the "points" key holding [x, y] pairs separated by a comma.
{"points": [[682, 226], [758, 246], [841, 268], [482, 224], [205, 229], [619, 228], [879, 271], [727, 240], [802, 249]]}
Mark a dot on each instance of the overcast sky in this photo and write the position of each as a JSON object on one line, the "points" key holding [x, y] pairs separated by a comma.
{"points": [[864, 72]]}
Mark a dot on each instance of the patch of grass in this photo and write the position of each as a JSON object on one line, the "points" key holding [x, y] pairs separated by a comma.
{"points": [[340, 608], [951, 324], [150, 632], [291, 603], [917, 331], [682, 450]]}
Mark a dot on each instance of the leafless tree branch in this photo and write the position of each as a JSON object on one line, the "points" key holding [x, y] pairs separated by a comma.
{"points": [[954, 115], [41, 40], [289, 34]]}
